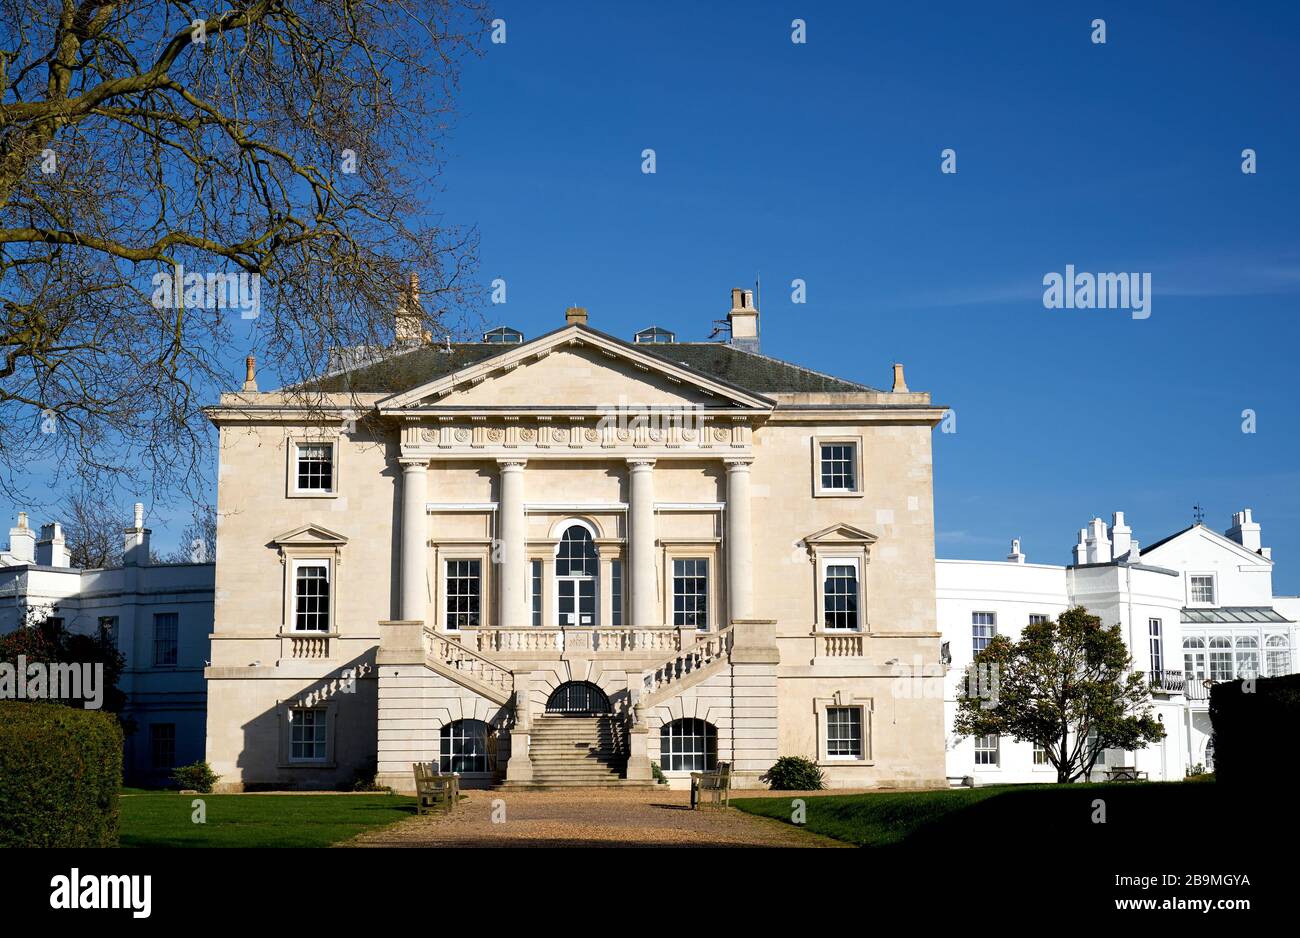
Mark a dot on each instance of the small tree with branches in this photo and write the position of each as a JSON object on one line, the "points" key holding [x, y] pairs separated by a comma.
{"points": [[1067, 686]]}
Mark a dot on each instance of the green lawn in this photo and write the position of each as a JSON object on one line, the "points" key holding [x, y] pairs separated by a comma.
{"points": [[1004, 814], [163, 819]]}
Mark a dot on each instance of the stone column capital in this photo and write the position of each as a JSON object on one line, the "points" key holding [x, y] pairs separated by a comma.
{"points": [[738, 463], [412, 463], [640, 462], [511, 463]]}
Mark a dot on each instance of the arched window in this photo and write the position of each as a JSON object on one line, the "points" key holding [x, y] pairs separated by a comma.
{"points": [[578, 697], [1194, 658], [688, 746], [1247, 656], [576, 565], [1277, 655], [464, 747], [1221, 658]]}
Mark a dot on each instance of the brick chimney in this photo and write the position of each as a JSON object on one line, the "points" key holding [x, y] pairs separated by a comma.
{"points": [[22, 541], [135, 546], [575, 316], [744, 320], [51, 549], [1245, 531]]}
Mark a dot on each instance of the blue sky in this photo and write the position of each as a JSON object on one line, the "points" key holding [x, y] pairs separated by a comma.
{"points": [[821, 162]]}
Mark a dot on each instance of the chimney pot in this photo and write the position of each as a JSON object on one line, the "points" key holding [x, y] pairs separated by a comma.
{"points": [[900, 382], [250, 373]]}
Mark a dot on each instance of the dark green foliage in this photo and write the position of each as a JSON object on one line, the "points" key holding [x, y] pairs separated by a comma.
{"points": [[794, 773], [197, 776], [1253, 723], [42, 640], [60, 771]]}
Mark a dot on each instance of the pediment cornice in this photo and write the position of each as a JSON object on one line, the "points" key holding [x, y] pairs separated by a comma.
{"points": [[426, 397]]}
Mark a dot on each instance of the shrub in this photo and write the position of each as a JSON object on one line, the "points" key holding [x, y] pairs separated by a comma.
{"points": [[1252, 719], [365, 781], [794, 773], [197, 776], [60, 771], [658, 774]]}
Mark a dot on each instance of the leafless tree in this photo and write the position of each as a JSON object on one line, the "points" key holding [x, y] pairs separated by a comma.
{"points": [[198, 543], [295, 140], [92, 530]]}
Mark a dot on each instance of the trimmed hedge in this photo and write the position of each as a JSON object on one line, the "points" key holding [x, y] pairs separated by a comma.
{"points": [[1253, 723], [60, 771]]}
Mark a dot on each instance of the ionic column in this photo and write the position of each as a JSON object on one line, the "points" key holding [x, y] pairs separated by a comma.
{"points": [[641, 543], [740, 543], [415, 539], [512, 526]]}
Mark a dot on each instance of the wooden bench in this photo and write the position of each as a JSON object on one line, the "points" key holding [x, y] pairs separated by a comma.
{"points": [[1125, 773], [432, 788], [716, 784]]}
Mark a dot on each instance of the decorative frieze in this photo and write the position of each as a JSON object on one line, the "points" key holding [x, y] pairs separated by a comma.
{"points": [[682, 433]]}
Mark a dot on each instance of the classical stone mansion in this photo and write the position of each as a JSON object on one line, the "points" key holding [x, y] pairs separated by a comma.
{"points": [[558, 560]]}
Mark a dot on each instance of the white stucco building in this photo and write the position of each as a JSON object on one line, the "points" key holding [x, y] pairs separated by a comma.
{"points": [[1194, 608], [159, 617]]}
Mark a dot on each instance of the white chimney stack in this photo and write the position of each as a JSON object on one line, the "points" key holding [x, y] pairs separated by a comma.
{"points": [[1135, 552], [22, 541], [1098, 543], [1081, 548], [51, 549], [1016, 556], [1121, 535], [1245, 531], [135, 546]]}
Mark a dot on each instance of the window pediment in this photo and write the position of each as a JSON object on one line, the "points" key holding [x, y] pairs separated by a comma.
{"points": [[309, 535], [840, 535]]}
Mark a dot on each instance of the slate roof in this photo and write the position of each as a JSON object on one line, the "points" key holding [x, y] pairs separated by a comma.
{"points": [[743, 369]]}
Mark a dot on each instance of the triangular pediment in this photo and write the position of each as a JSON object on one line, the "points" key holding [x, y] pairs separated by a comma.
{"points": [[1208, 540], [574, 368], [309, 535], [841, 534]]}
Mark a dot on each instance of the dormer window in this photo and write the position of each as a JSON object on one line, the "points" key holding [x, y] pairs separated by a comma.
{"points": [[1201, 589], [503, 335], [655, 336]]}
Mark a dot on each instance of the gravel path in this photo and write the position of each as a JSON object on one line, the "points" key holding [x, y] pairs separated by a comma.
{"points": [[589, 818]]}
